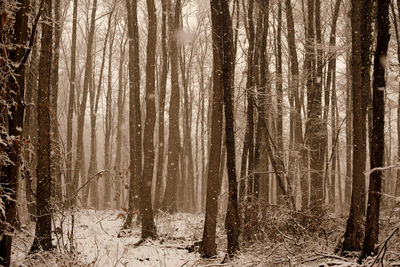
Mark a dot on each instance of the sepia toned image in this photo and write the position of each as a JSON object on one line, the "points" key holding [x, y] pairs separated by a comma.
{"points": [[179, 133]]}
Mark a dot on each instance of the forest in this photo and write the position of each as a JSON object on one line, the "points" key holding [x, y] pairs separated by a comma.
{"points": [[199, 133]]}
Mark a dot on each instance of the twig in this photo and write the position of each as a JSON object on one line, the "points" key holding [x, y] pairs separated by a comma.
{"points": [[384, 246]]}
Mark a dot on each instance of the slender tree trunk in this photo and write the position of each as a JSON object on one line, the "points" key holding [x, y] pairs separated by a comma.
{"points": [[82, 108], [135, 128], [56, 156], [146, 210], [208, 243], [378, 129], [43, 231], [70, 115], [166, 9], [298, 128], [395, 22], [120, 106], [108, 127]]}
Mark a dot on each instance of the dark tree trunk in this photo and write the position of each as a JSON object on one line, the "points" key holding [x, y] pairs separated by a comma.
{"points": [[315, 133], [166, 9], [9, 173], [223, 73], [208, 243], [169, 203], [353, 232], [294, 90], [135, 128], [70, 115], [146, 210], [43, 231], [378, 129]]}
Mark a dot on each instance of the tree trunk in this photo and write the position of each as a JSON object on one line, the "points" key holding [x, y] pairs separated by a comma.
{"points": [[166, 9], [395, 22], [378, 129], [9, 173], [55, 142], [70, 115], [108, 127], [353, 232], [146, 210], [298, 128], [135, 128], [43, 231], [169, 203], [120, 106], [82, 108]]}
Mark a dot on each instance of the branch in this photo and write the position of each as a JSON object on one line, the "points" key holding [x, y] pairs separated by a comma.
{"points": [[31, 40]]}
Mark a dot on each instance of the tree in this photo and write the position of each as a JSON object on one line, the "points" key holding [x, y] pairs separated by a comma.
{"points": [[82, 108], [42, 239], [378, 129], [146, 211], [353, 232], [209, 247], [395, 22], [71, 101], [11, 121], [108, 124], [135, 128], [169, 201], [223, 59], [166, 9]]}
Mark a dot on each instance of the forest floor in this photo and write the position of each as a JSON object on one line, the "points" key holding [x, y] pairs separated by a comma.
{"points": [[98, 241]]}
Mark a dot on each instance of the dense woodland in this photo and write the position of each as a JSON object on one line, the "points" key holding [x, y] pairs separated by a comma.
{"points": [[221, 132]]}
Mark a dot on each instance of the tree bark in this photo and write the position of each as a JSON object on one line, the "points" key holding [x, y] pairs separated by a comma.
{"points": [[169, 203], [9, 173], [70, 115], [146, 210], [166, 9], [82, 109], [353, 232], [42, 239], [135, 128], [378, 129]]}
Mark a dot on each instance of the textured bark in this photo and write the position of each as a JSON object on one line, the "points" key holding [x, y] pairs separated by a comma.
{"points": [[208, 243], [82, 108], [94, 104], [296, 114], [42, 239], [146, 210], [353, 232], [14, 93], [70, 115], [331, 87], [279, 92], [166, 7], [55, 139], [395, 22], [250, 97], [315, 133], [378, 130], [120, 106], [108, 126], [169, 203], [135, 128]]}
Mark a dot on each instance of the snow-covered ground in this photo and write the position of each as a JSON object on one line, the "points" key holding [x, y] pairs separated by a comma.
{"points": [[98, 241]]}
